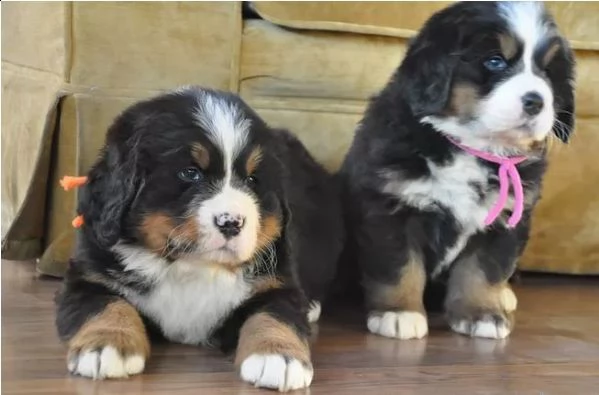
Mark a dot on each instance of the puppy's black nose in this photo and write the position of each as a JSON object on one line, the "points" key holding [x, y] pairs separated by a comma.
{"points": [[532, 103], [228, 224]]}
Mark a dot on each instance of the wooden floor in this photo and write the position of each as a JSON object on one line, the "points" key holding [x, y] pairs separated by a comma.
{"points": [[554, 350]]}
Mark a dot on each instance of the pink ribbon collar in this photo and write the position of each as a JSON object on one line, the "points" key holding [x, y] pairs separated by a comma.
{"points": [[507, 172]]}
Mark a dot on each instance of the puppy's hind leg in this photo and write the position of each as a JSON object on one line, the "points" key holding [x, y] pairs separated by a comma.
{"points": [[396, 307], [480, 301], [477, 304]]}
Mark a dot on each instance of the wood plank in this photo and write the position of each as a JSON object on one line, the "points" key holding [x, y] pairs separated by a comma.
{"points": [[554, 350]]}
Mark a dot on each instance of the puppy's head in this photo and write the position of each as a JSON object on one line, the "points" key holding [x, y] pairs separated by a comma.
{"points": [[497, 76], [189, 173]]}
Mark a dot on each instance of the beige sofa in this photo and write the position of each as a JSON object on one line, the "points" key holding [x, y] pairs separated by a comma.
{"points": [[69, 68]]}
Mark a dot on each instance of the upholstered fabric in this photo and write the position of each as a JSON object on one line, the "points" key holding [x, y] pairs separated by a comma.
{"points": [[33, 58], [313, 82], [565, 231], [577, 20], [69, 68], [155, 45]]}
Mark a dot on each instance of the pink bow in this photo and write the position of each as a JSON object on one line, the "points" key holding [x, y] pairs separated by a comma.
{"points": [[507, 171]]}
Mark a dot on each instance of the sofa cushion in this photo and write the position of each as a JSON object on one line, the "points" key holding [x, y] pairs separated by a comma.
{"points": [[35, 35], [292, 63], [324, 133], [34, 58], [565, 230], [29, 99], [155, 45], [315, 83], [577, 20]]}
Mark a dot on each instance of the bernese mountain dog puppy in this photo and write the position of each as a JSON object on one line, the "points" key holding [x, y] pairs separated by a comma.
{"points": [[470, 112], [202, 226]]}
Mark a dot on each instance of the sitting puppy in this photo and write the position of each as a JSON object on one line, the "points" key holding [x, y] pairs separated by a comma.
{"points": [[468, 114], [204, 226]]}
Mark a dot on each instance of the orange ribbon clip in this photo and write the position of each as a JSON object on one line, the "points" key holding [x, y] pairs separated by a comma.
{"points": [[77, 222], [68, 183]]}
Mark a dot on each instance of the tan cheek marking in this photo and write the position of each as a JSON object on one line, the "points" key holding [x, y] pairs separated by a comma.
{"points": [[464, 99], [406, 293], [253, 160], [263, 334], [158, 227], [188, 230], [270, 230], [118, 325], [155, 229], [201, 155]]}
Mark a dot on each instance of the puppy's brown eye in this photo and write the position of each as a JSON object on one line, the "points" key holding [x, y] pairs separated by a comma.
{"points": [[190, 174], [251, 181]]}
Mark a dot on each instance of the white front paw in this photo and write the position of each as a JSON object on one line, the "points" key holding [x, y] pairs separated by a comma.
{"points": [[106, 362], [488, 327], [398, 324], [276, 371]]}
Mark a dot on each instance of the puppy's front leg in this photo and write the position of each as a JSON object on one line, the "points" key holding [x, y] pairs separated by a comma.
{"points": [[105, 335], [273, 350], [479, 301], [394, 275]]}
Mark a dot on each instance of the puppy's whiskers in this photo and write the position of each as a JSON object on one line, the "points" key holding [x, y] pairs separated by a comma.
{"points": [[265, 259], [562, 129], [174, 243]]}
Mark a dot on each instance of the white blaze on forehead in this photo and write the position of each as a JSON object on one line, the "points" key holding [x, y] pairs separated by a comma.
{"points": [[526, 18], [528, 22], [226, 126], [228, 129]]}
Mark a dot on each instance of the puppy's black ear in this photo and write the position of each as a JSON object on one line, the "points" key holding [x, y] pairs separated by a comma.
{"points": [[426, 74], [284, 244], [112, 185], [561, 73]]}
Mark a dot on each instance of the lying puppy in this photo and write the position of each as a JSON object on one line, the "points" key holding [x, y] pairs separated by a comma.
{"points": [[207, 227], [468, 113]]}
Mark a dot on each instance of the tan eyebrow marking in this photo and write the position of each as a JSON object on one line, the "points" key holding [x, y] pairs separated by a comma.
{"points": [[201, 155], [550, 53], [253, 160], [508, 45]]}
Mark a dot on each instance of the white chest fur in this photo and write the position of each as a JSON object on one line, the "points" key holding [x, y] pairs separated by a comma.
{"points": [[449, 186], [187, 300]]}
